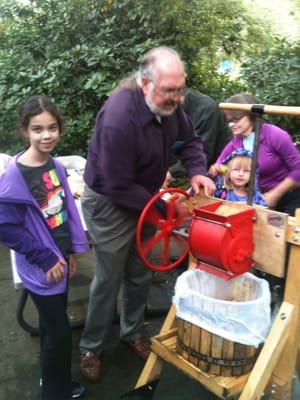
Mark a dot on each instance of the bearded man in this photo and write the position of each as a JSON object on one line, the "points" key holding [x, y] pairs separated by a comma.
{"points": [[137, 131]]}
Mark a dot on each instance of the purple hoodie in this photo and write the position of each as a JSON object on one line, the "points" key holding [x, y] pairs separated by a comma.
{"points": [[24, 229]]}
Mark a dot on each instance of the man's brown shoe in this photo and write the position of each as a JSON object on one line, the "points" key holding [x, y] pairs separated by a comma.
{"points": [[141, 347], [90, 366]]}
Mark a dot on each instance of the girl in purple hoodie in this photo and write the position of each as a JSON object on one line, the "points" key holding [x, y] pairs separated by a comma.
{"points": [[40, 221]]}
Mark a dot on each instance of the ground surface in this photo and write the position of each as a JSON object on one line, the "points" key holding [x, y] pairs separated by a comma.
{"points": [[19, 351]]}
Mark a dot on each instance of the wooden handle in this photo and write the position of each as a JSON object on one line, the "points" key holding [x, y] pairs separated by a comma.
{"points": [[280, 110]]}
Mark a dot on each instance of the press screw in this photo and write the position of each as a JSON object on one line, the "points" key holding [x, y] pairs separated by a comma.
{"points": [[297, 229], [295, 238], [277, 234], [282, 316]]}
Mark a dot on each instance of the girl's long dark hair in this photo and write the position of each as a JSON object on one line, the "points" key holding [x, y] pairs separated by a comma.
{"points": [[36, 105]]}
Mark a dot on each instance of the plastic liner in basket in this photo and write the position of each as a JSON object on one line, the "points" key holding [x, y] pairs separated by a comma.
{"points": [[237, 310]]}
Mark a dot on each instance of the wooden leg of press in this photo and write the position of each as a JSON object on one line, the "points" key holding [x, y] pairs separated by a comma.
{"points": [[285, 368], [151, 371], [154, 364], [270, 355]]}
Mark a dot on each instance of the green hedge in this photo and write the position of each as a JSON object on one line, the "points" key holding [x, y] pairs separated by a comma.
{"points": [[75, 52]]}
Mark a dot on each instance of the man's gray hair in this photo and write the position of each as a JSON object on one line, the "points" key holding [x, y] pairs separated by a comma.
{"points": [[146, 68], [149, 59]]}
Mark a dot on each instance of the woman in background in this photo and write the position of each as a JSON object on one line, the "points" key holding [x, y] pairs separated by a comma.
{"points": [[278, 158]]}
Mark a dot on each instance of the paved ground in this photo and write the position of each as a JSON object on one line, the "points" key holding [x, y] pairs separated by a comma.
{"points": [[19, 357]]}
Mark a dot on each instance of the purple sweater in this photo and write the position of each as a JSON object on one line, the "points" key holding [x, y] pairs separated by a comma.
{"points": [[130, 151], [277, 159], [24, 229]]}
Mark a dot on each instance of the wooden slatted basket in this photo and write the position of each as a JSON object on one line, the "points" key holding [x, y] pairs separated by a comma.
{"points": [[201, 294], [212, 353]]}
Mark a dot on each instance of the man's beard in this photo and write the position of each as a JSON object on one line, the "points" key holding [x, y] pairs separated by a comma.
{"points": [[158, 110]]}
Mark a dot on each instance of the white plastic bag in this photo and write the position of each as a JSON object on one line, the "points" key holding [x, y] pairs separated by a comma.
{"points": [[4, 160], [237, 309], [75, 168]]}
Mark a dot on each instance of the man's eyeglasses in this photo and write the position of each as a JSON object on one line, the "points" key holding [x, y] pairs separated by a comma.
{"points": [[170, 92]]}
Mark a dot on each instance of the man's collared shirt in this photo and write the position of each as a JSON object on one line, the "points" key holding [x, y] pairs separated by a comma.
{"points": [[130, 151]]}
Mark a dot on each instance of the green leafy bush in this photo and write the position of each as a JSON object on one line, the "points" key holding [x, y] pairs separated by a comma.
{"points": [[274, 77], [73, 51], [76, 51]]}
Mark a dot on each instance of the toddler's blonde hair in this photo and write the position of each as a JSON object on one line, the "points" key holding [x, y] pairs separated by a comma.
{"points": [[243, 162]]}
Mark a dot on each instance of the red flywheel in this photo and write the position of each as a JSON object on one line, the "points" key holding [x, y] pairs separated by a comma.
{"points": [[168, 245]]}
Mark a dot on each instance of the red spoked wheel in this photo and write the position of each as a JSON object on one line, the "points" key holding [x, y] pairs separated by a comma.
{"points": [[168, 246]]}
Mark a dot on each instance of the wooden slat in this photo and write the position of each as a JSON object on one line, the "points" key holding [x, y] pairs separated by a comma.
{"points": [[285, 369], [228, 354], [270, 241], [151, 371], [154, 365], [205, 346], [216, 351], [268, 109], [186, 338], [239, 354], [270, 353], [223, 387], [250, 351], [168, 334], [195, 341]]}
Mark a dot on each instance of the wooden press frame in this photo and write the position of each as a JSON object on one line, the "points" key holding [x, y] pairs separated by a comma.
{"points": [[279, 359]]}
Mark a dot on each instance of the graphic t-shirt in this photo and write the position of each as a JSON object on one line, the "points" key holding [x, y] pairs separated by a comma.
{"points": [[46, 188]]}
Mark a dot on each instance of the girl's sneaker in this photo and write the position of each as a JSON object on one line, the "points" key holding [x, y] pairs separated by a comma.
{"points": [[77, 390]]}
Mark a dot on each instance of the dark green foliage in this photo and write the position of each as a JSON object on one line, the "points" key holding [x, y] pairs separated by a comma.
{"points": [[73, 51], [76, 51], [274, 76]]}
